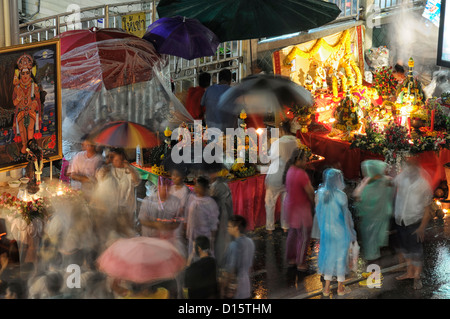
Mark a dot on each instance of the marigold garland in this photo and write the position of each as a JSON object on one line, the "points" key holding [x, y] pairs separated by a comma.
{"points": [[295, 51]]}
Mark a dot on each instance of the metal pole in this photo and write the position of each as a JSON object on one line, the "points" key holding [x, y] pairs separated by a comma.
{"points": [[7, 22], [154, 11], [14, 13], [2, 27], [106, 22]]}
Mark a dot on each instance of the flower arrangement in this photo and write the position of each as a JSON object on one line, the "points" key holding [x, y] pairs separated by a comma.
{"points": [[384, 81], [301, 110], [346, 115], [373, 141], [28, 210]]}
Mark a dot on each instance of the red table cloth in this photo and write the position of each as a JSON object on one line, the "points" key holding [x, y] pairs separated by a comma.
{"points": [[338, 154]]}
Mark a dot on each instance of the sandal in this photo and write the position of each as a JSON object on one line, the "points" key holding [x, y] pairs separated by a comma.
{"points": [[325, 294], [418, 283], [345, 292]]}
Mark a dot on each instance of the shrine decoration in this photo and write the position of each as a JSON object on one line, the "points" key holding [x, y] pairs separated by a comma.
{"points": [[304, 114], [346, 115], [385, 82], [410, 96]]}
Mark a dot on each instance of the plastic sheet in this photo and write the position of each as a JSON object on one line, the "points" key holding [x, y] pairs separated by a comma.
{"points": [[377, 57], [117, 79]]}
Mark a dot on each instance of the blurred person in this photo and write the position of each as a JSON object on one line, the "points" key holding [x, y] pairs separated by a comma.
{"points": [[195, 94], [159, 205], [83, 166], [374, 204], [399, 74], [279, 153], [334, 228], [221, 193], [97, 288], [179, 188], [116, 191], [200, 278], [182, 192], [15, 290], [238, 260], [54, 282], [412, 213], [297, 206], [202, 215], [210, 101]]}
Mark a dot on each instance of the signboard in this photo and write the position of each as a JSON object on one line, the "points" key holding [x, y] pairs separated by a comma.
{"points": [[134, 24]]}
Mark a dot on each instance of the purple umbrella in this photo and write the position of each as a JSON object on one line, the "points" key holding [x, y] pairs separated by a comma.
{"points": [[182, 37]]}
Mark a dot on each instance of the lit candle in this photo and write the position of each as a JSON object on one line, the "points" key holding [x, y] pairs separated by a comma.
{"points": [[409, 126], [432, 120]]}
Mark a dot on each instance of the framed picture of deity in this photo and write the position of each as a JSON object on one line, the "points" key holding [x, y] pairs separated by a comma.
{"points": [[30, 104]]}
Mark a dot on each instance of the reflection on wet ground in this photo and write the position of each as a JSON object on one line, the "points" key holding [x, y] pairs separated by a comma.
{"points": [[273, 279]]}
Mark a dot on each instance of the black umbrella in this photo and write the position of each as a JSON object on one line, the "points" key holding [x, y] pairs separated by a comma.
{"points": [[262, 94], [249, 19]]}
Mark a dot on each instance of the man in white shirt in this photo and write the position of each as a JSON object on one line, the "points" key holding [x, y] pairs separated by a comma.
{"points": [[83, 167], [280, 152], [412, 214]]}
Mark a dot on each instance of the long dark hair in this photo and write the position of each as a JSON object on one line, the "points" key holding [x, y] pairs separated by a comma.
{"points": [[296, 155]]}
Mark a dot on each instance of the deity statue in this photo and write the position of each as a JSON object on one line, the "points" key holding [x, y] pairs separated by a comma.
{"points": [[26, 99]]}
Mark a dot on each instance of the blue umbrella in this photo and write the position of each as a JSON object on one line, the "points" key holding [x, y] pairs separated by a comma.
{"points": [[182, 37]]}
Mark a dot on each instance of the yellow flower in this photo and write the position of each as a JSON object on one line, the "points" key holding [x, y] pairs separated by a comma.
{"points": [[167, 132], [243, 115]]}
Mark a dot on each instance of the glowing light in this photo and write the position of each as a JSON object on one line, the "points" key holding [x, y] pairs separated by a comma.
{"points": [[332, 120], [259, 131], [445, 211], [438, 203]]}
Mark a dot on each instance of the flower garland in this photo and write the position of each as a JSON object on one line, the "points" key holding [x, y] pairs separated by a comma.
{"points": [[295, 51]]}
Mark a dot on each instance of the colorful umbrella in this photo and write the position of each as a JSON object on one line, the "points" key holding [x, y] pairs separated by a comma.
{"points": [[124, 134], [178, 36], [141, 259], [90, 58], [249, 19]]}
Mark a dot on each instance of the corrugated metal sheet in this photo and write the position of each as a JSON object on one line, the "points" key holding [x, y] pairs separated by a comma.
{"points": [[53, 7]]}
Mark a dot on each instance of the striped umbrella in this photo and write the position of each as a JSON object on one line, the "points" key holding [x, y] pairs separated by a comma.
{"points": [[124, 134]]}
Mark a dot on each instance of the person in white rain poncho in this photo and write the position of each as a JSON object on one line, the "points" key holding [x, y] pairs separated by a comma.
{"points": [[114, 197]]}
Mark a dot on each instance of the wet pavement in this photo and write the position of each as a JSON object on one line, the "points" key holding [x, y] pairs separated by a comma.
{"points": [[272, 278]]}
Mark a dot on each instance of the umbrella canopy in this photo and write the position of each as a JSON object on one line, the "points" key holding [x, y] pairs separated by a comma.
{"points": [[249, 19], [90, 58], [182, 37], [124, 134], [262, 94], [141, 259]]}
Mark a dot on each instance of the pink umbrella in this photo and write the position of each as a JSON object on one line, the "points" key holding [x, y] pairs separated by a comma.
{"points": [[141, 259]]}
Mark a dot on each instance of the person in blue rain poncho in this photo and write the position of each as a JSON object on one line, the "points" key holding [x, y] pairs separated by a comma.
{"points": [[333, 226]]}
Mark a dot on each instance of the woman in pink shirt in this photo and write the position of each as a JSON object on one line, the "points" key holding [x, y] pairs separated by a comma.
{"points": [[297, 205]]}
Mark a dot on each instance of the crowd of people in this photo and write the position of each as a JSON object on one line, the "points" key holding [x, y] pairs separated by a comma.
{"points": [[323, 215], [208, 234]]}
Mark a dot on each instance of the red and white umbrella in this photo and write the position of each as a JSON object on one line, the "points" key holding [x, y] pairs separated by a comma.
{"points": [[90, 58], [141, 260]]}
